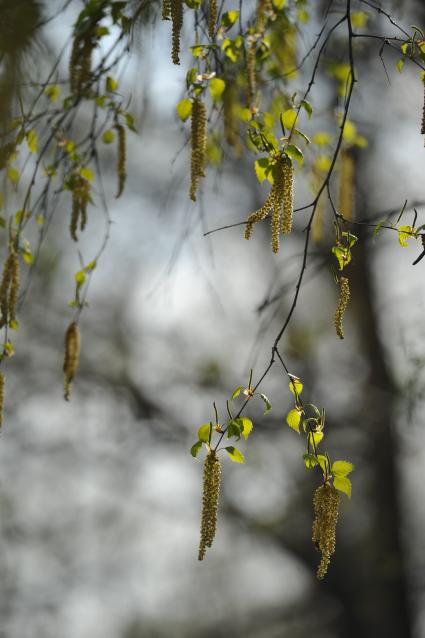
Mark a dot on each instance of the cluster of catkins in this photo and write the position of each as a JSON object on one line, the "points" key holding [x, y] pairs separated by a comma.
{"points": [[280, 202], [326, 504], [344, 296], [211, 490]]}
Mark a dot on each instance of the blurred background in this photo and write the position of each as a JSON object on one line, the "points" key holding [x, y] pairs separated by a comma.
{"points": [[100, 499]]}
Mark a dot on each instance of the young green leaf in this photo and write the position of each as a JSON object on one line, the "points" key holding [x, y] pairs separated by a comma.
{"points": [[343, 484], [310, 461], [316, 437], [404, 234], [195, 448], [235, 455], [237, 392], [293, 420], [216, 88], [295, 153], [204, 432], [108, 137], [268, 405], [295, 386], [246, 426], [234, 429], [341, 468], [307, 108], [289, 117], [184, 109]]}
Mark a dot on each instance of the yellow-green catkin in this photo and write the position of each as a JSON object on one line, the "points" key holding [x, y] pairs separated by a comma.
{"points": [[423, 113], [14, 287], [122, 155], [326, 505], [198, 144], [346, 185], [231, 121], [279, 202], [9, 289], [251, 71], [80, 199], [264, 7], [212, 18], [166, 9], [344, 296], [210, 496], [288, 197], [2, 384], [80, 61], [72, 355], [177, 19]]}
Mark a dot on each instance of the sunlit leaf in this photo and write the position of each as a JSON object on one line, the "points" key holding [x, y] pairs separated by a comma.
{"points": [[216, 88], [235, 454], [341, 468], [315, 437], [204, 432], [184, 109], [343, 484], [293, 419], [310, 461]]}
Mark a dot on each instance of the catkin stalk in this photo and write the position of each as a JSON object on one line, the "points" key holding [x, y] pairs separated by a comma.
{"points": [[210, 497], [326, 505], [72, 354], [344, 296]]}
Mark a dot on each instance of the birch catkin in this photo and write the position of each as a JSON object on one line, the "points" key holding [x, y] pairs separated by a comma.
{"points": [[326, 505], [210, 496], [343, 299], [198, 144], [72, 354], [423, 112], [166, 9], [9, 289], [346, 186], [280, 202], [288, 197], [177, 19], [121, 163], [2, 383], [212, 18]]}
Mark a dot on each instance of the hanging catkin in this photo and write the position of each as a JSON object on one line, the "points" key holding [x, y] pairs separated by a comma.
{"points": [[166, 9], [212, 18], [72, 354], [9, 289], [423, 112], [326, 504], [288, 196], [2, 383], [210, 496], [279, 202], [80, 200], [346, 185], [198, 144], [121, 163], [250, 71], [177, 18], [80, 61], [344, 296]]}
